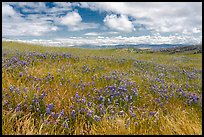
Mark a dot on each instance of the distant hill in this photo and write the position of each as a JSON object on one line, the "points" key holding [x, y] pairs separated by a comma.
{"points": [[171, 49], [192, 49], [134, 46]]}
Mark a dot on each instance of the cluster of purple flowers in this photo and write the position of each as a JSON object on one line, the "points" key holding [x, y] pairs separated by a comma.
{"points": [[106, 95]]}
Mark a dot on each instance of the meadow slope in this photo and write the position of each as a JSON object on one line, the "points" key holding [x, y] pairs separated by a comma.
{"points": [[53, 90]]}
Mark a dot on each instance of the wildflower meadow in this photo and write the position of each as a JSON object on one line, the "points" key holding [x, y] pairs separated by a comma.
{"points": [[59, 90]]}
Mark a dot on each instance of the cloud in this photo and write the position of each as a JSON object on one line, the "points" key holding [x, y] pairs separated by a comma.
{"points": [[71, 19], [39, 7], [92, 34], [29, 7], [101, 33], [74, 22], [196, 30], [14, 24], [147, 39], [7, 10], [37, 24], [180, 22], [99, 41], [120, 23], [176, 17]]}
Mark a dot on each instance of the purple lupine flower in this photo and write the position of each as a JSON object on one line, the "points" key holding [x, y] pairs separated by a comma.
{"points": [[31, 107], [77, 95], [112, 112], [101, 105], [18, 108], [53, 114], [73, 114], [17, 90], [158, 100], [24, 63], [97, 118], [118, 93], [89, 104], [20, 74], [48, 74], [35, 79], [11, 88], [47, 111], [88, 115], [104, 111], [121, 112], [37, 109], [36, 99], [126, 98], [6, 102], [160, 104], [37, 103], [50, 106], [42, 95], [124, 89], [66, 126], [195, 97], [183, 94], [136, 123], [84, 100], [82, 110], [190, 101], [130, 98], [152, 113], [25, 89], [38, 88], [133, 114], [126, 126], [62, 113], [135, 93], [100, 97]]}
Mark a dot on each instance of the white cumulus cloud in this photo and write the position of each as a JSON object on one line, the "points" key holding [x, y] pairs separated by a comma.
{"points": [[176, 17], [120, 23], [13, 24], [71, 19], [74, 22]]}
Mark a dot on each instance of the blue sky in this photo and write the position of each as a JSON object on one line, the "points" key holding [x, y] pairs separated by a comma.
{"points": [[102, 23]]}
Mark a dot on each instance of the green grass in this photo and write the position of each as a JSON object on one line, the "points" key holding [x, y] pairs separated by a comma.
{"points": [[180, 70]]}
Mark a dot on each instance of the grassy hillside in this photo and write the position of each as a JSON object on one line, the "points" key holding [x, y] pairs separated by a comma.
{"points": [[52, 90]]}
